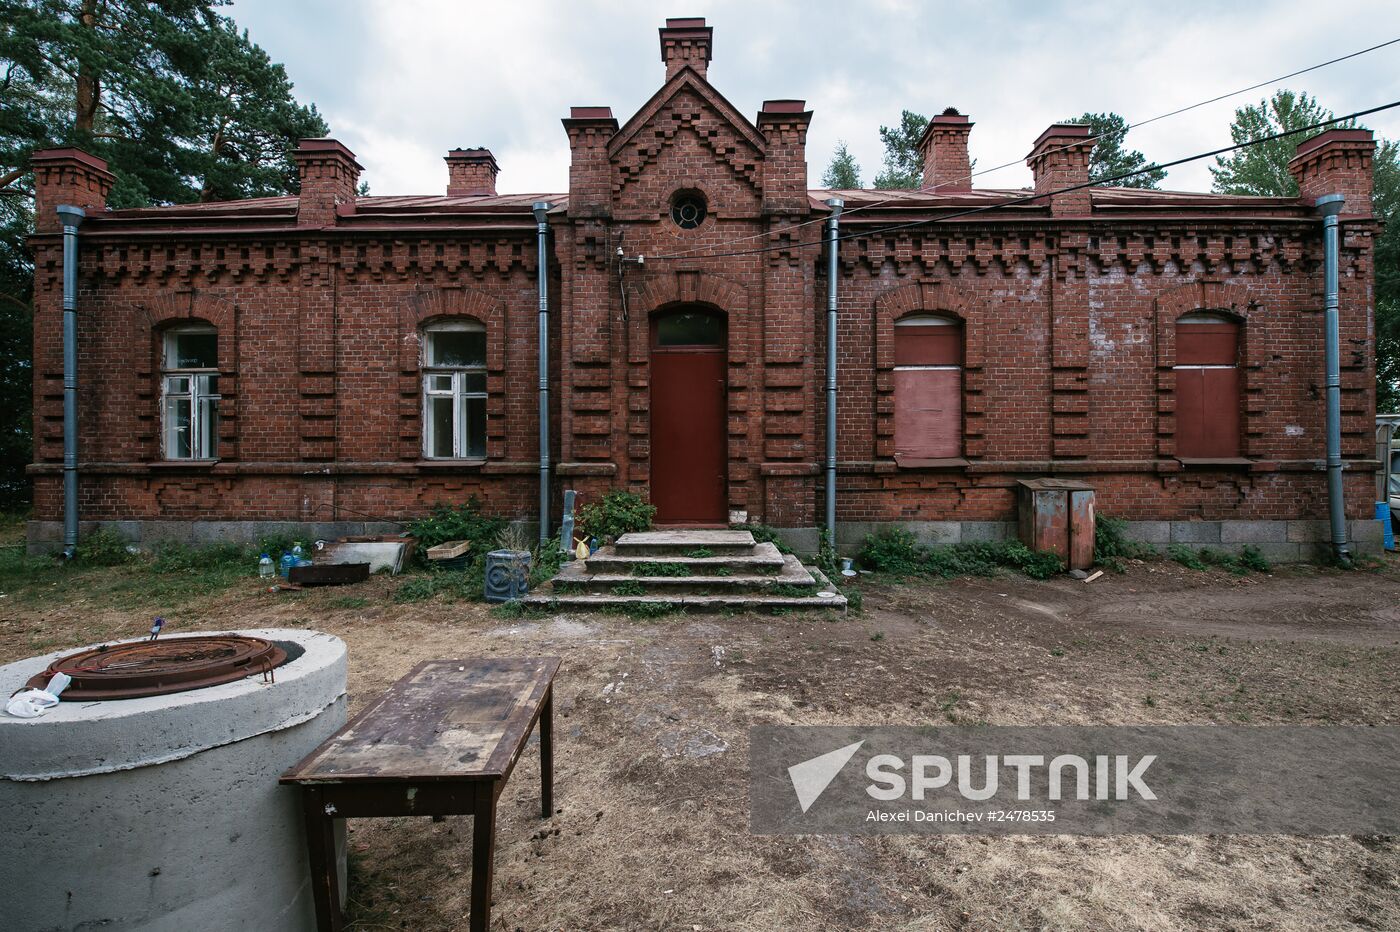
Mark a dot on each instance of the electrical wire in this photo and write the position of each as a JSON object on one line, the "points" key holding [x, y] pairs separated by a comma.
{"points": [[995, 168], [1041, 196]]}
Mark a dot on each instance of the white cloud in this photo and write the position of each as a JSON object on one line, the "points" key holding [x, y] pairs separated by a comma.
{"points": [[401, 83]]}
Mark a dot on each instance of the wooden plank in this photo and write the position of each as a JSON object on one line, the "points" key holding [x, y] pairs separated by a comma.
{"points": [[445, 720]]}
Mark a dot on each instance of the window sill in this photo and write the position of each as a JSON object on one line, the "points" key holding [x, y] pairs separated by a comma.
{"points": [[915, 462], [184, 464], [476, 463], [1214, 462]]}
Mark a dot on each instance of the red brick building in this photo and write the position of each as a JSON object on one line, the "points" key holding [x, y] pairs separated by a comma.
{"points": [[331, 359]]}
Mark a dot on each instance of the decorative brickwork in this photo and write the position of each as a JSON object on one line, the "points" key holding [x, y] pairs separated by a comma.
{"points": [[1068, 307]]}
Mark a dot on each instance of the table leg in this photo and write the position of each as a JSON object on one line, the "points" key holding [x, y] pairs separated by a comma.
{"points": [[547, 754], [483, 856], [320, 844]]}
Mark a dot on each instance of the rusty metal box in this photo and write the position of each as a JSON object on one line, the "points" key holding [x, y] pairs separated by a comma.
{"points": [[1057, 515]]}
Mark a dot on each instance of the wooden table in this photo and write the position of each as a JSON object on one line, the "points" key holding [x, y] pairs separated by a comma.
{"points": [[441, 741]]}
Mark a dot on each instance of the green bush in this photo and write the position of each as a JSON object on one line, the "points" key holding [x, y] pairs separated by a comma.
{"points": [[620, 512], [104, 548], [1248, 560], [895, 551], [1251, 559], [763, 534], [459, 522], [1112, 545], [547, 560]]}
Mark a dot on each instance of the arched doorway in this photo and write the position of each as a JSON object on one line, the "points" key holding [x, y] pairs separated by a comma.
{"points": [[689, 449]]}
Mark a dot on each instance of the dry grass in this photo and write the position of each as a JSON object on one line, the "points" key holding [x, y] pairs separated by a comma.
{"points": [[651, 779]]}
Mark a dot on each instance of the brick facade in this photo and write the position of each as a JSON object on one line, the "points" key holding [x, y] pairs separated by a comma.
{"points": [[1068, 304]]}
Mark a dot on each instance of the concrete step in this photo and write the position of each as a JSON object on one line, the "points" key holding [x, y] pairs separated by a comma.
{"points": [[755, 599], [761, 559], [580, 577], [681, 541], [738, 602]]}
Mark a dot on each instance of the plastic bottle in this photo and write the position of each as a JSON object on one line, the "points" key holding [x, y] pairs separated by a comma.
{"points": [[284, 566], [265, 567]]}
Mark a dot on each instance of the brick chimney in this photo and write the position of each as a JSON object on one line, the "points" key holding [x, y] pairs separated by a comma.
{"points": [[686, 43], [1060, 159], [590, 184], [944, 148], [783, 124], [471, 172], [67, 176], [1337, 161], [329, 175]]}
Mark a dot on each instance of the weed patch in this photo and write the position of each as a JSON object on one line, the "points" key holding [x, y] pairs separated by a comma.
{"points": [[1248, 560], [620, 512], [661, 569], [896, 552]]}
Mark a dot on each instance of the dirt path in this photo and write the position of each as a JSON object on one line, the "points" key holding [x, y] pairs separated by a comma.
{"points": [[652, 750]]}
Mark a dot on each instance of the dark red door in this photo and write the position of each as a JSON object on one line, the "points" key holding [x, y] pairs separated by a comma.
{"points": [[689, 455]]}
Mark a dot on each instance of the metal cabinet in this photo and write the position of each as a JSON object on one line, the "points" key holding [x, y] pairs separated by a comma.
{"points": [[1057, 515]]}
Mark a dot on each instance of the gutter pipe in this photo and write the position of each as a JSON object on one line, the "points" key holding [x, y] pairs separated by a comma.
{"points": [[1330, 206], [541, 211], [71, 217], [833, 228]]}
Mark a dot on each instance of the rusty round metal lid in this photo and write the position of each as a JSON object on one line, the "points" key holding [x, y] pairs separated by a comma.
{"points": [[155, 668]]}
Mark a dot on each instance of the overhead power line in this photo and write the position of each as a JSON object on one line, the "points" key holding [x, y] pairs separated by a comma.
{"points": [[986, 171], [878, 231]]}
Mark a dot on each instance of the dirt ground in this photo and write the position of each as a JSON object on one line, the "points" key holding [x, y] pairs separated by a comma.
{"points": [[653, 716]]}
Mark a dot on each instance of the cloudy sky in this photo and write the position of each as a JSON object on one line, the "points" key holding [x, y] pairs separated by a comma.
{"points": [[402, 81]]}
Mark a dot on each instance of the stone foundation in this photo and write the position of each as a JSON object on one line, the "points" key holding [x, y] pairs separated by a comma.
{"points": [[1297, 541], [1283, 541]]}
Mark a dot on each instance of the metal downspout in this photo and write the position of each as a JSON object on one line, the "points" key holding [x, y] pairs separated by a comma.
{"points": [[833, 228], [71, 217], [541, 211], [1330, 206]]}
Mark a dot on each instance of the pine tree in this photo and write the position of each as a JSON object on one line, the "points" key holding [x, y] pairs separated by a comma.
{"points": [[843, 173], [1263, 169], [904, 165], [183, 106], [1110, 158]]}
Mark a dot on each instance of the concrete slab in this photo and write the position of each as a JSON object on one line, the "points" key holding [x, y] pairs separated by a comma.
{"points": [[688, 537], [1253, 532], [1308, 531], [1149, 532], [984, 531], [1195, 532]]}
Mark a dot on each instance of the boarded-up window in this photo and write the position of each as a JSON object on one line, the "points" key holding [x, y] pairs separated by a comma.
{"points": [[1207, 387], [928, 356]]}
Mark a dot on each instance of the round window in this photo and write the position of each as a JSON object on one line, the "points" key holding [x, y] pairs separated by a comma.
{"points": [[688, 209]]}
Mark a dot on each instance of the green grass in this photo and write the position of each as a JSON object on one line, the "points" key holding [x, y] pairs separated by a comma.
{"points": [[105, 573], [629, 588], [699, 553], [897, 553], [349, 602], [661, 569], [1248, 560]]}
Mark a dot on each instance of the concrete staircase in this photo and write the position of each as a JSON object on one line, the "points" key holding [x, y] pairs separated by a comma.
{"points": [[692, 570]]}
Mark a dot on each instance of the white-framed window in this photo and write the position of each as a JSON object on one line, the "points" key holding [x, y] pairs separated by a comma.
{"points": [[454, 391], [189, 397]]}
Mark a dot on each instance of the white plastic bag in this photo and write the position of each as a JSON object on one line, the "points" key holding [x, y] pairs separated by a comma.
{"points": [[32, 703]]}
